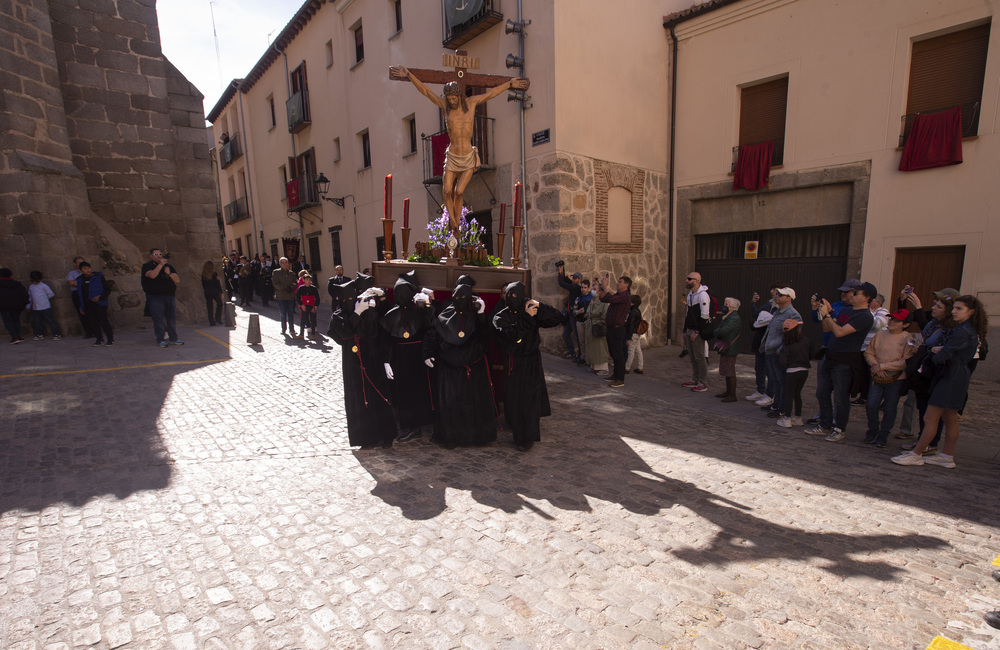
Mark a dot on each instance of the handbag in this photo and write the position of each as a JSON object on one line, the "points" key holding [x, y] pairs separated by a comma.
{"points": [[598, 328], [722, 346], [885, 381]]}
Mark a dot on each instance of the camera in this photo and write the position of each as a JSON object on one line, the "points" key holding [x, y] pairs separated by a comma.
{"points": [[560, 263], [166, 256]]}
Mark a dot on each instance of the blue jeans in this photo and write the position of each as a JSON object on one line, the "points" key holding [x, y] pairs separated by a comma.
{"points": [[834, 381], [776, 376], [286, 313], [163, 309], [764, 386], [42, 317], [569, 335], [877, 394]]}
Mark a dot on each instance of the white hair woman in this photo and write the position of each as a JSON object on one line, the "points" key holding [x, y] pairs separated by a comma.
{"points": [[726, 335]]}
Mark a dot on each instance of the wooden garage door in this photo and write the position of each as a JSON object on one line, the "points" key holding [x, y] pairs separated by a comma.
{"points": [[927, 269]]}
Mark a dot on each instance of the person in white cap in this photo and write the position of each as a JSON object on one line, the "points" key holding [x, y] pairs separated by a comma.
{"points": [[771, 345]]}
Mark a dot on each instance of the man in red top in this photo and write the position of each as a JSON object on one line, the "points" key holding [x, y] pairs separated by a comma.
{"points": [[621, 302]]}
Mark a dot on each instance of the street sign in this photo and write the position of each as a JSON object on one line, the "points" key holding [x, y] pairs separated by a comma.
{"points": [[539, 137], [750, 250]]}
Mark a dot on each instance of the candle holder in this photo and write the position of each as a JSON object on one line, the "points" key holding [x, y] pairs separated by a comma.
{"points": [[387, 238], [501, 239], [406, 242], [515, 260]]}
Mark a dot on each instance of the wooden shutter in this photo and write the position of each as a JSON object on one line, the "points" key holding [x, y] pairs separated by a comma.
{"points": [[762, 112], [948, 71]]}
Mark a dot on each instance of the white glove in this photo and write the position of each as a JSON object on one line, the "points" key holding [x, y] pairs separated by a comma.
{"points": [[429, 362], [377, 292], [480, 305], [361, 306], [388, 370], [422, 299], [428, 292]]}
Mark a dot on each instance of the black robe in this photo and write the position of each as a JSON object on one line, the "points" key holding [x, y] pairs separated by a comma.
{"points": [[526, 399], [367, 391], [466, 414], [405, 330]]}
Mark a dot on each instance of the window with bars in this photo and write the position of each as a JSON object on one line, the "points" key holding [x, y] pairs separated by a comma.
{"points": [[817, 241]]}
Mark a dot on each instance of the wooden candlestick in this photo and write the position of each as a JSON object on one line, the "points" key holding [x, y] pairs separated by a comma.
{"points": [[515, 260], [501, 238], [406, 238], [387, 237]]}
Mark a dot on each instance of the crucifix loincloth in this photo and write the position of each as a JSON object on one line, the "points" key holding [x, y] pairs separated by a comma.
{"points": [[458, 164]]}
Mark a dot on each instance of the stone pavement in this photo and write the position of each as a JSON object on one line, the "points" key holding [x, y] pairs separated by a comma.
{"points": [[205, 496]]}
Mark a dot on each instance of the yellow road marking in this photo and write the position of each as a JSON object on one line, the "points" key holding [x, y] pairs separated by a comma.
{"points": [[996, 561], [941, 643], [210, 337], [76, 372]]}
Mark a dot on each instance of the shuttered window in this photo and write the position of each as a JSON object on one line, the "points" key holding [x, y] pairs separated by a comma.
{"points": [[948, 71], [762, 115]]}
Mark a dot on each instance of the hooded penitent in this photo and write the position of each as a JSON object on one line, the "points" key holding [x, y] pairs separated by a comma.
{"points": [[406, 318], [457, 321]]}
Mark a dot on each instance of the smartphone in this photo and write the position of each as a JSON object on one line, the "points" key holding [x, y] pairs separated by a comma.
{"points": [[908, 289]]}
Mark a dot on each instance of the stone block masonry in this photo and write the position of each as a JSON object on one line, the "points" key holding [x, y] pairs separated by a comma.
{"points": [[99, 151]]}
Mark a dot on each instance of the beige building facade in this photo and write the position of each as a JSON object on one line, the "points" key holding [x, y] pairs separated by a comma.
{"points": [[853, 75], [595, 136]]}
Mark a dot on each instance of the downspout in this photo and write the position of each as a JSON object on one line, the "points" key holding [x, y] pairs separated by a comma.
{"points": [[524, 181], [288, 95], [670, 183], [246, 152]]}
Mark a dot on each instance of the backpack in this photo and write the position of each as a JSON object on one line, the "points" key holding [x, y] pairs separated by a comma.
{"points": [[643, 327], [713, 305]]}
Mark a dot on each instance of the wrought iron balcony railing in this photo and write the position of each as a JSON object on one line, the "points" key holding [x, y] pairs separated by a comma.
{"points": [[777, 153], [970, 121], [459, 34], [297, 110], [230, 151], [435, 144], [237, 210], [301, 193]]}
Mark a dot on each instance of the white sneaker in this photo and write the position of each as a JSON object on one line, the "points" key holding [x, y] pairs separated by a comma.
{"points": [[941, 460], [753, 397], [784, 421], [796, 421], [764, 401], [908, 458], [835, 436]]}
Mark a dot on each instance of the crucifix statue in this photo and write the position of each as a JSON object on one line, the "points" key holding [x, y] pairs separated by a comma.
{"points": [[461, 158]]}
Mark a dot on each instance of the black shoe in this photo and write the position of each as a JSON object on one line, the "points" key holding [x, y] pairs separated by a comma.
{"points": [[406, 436], [813, 420], [870, 439], [683, 354], [109, 343], [639, 371], [774, 414], [859, 401], [525, 446], [569, 356], [992, 619]]}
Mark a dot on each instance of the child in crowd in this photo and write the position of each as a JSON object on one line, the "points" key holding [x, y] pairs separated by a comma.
{"points": [[633, 338], [307, 298], [39, 296], [794, 358]]}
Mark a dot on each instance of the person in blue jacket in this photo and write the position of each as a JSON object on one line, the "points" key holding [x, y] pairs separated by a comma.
{"points": [[93, 290]]}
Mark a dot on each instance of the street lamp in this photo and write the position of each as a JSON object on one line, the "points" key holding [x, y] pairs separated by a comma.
{"points": [[322, 187]]}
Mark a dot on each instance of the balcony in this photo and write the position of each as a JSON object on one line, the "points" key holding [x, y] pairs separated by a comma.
{"points": [[435, 144], [456, 35], [970, 121], [237, 210], [301, 193], [297, 110], [230, 151], [777, 155]]}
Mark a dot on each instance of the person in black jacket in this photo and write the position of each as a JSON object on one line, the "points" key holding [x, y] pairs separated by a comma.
{"points": [[632, 337], [526, 399], [794, 361], [13, 299], [307, 298]]}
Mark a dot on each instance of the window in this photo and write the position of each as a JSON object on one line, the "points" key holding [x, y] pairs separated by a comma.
{"points": [[239, 246], [297, 106], [948, 71], [283, 173], [336, 150], [398, 13], [366, 150], [619, 216], [335, 243], [410, 132], [329, 53], [274, 250], [314, 254], [762, 115], [249, 245], [359, 44], [380, 245], [270, 106]]}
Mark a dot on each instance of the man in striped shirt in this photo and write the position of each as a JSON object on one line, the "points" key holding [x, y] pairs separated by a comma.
{"points": [[620, 303]]}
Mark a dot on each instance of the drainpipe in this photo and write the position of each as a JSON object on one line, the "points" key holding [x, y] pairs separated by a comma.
{"points": [[524, 181], [246, 152], [288, 94], [672, 190]]}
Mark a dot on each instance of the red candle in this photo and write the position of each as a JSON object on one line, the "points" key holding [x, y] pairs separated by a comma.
{"points": [[503, 216], [406, 213], [388, 196], [517, 205]]}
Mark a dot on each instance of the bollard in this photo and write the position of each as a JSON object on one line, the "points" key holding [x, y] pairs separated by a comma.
{"points": [[253, 330], [230, 314]]}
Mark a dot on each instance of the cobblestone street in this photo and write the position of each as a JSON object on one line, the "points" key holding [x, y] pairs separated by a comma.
{"points": [[205, 496]]}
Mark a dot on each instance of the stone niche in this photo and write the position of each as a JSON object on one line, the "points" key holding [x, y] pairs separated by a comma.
{"points": [[567, 201]]}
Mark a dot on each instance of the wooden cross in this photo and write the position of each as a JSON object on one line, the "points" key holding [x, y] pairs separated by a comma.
{"points": [[462, 63]]}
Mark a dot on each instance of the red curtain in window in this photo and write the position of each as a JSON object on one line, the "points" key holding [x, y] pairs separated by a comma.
{"points": [[438, 145], [753, 166], [935, 140]]}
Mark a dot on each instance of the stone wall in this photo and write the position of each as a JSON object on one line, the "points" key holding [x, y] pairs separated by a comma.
{"points": [[102, 151], [566, 201]]}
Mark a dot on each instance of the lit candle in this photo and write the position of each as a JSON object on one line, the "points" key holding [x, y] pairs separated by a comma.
{"points": [[388, 196], [406, 213], [503, 216], [517, 205]]}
